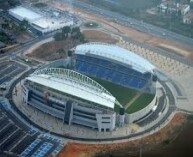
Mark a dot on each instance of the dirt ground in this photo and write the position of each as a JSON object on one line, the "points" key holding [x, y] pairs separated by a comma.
{"points": [[99, 36], [158, 139], [24, 37], [48, 51], [171, 46]]}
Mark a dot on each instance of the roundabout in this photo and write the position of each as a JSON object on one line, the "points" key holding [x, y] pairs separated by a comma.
{"points": [[91, 25]]}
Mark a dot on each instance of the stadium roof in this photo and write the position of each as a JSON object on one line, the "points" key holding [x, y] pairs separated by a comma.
{"points": [[116, 53], [73, 83], [22, 13]]}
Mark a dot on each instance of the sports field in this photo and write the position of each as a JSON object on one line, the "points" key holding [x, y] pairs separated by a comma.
{"points": [[125, 95], [140, 103]]}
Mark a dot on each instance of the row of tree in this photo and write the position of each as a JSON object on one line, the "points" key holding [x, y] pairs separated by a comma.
{"points": [[6, 4], [7, 24], [68, 32]]}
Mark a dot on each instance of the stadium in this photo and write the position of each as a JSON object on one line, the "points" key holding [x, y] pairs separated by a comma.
{"points": [[100, 86]]}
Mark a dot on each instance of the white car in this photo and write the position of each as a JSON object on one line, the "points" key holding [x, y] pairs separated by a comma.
{"points": [[163, 34]]}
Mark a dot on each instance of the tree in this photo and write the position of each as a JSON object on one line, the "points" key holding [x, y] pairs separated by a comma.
{"points": [[6, 4], [13, 2], [59, 36], [60, 50], [23, 25], [75, 30], [4, 25], [75, 33], [66, 30], [82, 38]]}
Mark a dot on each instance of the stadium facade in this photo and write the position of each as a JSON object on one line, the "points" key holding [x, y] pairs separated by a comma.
{"points": [[41, 23], [66, 88]]}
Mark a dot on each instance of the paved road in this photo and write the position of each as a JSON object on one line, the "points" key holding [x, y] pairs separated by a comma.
{"points": [[130, 22]]}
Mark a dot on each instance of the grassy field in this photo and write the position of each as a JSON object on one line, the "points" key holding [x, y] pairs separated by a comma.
{"points": [[140, 103], [124, 95]]}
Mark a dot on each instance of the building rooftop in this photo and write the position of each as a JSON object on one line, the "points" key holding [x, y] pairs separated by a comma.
{"points": [[190, 15], [43, 20], [76, 87], [24, 13], [45, 23], [116, 53]]}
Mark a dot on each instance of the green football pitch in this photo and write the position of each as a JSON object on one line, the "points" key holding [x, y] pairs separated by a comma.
{"points": [[125, 95]]}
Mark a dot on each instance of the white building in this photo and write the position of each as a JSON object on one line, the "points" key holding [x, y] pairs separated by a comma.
{"points": [[185, 9], [21, 13], [188, 18], [170, 7], [40, 23], [46, 25]]}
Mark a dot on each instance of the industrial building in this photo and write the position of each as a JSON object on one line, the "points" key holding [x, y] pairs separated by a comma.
{"points": [[41, 23]]}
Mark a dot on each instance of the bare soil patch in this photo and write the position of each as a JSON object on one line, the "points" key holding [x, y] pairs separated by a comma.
{"points": [[99, 36], [172, 46], [48, 51], [24, 37], [156, 140]]}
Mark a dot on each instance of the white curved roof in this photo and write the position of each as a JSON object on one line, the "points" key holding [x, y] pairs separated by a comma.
{"points": [[73, 83], [116, 53]]}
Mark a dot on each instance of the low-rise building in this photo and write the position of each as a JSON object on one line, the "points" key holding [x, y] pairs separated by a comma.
{"points": [[170, 7], [41, 23], [188, 18]]}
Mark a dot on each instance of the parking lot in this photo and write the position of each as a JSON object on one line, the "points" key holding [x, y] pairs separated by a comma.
{"points": [[18, 139], [8, 71]]}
